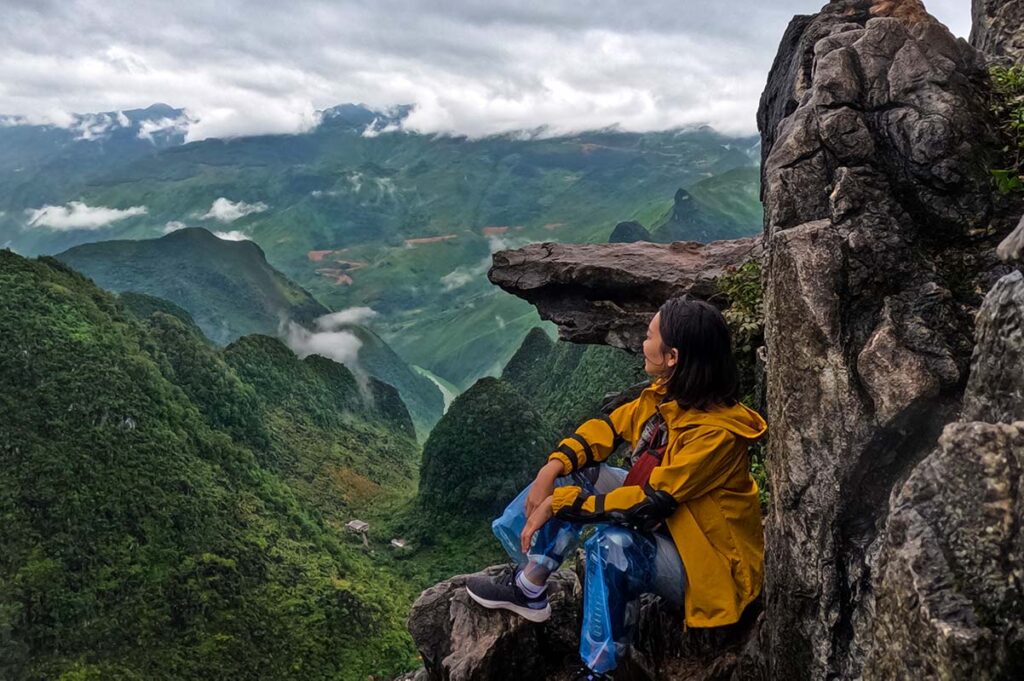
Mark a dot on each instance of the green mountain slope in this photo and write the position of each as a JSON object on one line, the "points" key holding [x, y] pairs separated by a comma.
{"points": [[168, 509], [567, 382], [485, 449], [495, 435], [350, 216], [230, 291], [227, 287]]}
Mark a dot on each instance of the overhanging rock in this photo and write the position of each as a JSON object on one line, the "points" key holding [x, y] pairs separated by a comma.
{"points": [[607, 293]]}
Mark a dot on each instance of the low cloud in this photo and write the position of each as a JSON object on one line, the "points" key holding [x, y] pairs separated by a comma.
{"points": [[174, 226], [352, 315], [150, 129], [497, 243], [78, 215], [233, 235], [339, 346], [463, 275], [225, 210], [468, 67], [90, 127]]}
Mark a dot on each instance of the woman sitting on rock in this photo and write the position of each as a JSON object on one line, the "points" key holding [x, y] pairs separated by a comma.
{"points": [[684, 522]]}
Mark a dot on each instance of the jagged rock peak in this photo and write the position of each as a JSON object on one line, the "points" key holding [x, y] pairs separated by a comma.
{"points": [[996, 29], [877, 141]]}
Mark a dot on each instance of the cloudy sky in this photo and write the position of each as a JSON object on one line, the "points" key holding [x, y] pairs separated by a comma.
{"points": [[470, 66]]}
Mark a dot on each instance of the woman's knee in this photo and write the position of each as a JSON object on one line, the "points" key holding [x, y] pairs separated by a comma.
{"points": [[609, 547]]}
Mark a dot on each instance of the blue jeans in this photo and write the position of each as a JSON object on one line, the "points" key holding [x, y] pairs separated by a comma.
{"points": [[621, 565]]}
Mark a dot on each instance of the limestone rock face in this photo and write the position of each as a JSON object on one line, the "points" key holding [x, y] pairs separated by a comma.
{"points": [[607, 293], [995, 391], [948, 593], [876, 139], [461, 641], [996, 28]]}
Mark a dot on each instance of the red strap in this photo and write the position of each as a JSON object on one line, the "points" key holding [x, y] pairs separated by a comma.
{"points": [[640, 471]]}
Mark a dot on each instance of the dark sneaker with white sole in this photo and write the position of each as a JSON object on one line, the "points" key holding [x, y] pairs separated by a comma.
{"points": [[585, 673], [502, 592]]}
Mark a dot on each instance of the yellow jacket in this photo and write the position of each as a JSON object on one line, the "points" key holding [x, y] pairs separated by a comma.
{"points": [[703, 491]]}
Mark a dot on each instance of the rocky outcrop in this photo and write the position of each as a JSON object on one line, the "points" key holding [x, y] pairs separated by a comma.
{"points": [[894, 540], [461, 641], [948, 593], [607, 293], [996, 28], [871, 185]]}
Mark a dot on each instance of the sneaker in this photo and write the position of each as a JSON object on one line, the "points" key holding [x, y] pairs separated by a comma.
{"points": [[585, 673], [502, 592]]}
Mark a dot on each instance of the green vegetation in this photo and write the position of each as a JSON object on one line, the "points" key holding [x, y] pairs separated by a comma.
{"points": [[745, 316], [166, 515], [143, 306], [227, 287], [230, 291], [497, 434], [487, 447], [723, 206], [1008, 107], [341, 207], [567, 382]]}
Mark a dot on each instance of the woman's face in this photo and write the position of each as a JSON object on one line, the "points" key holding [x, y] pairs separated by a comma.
{"points": [[657, 363]]}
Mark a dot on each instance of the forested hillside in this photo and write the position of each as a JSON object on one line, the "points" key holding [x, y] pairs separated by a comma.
{"points": [[171, 510]]}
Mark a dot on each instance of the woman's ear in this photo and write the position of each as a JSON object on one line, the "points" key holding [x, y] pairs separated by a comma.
{"points": [[673, 357]]}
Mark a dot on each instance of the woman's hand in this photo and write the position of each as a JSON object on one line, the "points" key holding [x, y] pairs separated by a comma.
{"points": [[540, 515], [543, 485]]}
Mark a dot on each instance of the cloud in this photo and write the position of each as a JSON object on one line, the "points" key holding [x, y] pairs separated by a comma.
{"points": [[375, 128], [233, 235], [94, 126], [78, 215], [174, 226], [225, 210], [463, 275], [352, 315], [341, 346], [497, 242], [150, 128], [469, 67]]}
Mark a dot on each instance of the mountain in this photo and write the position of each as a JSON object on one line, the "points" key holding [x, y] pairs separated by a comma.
{"points": [[721, 207], [487, 447], [227, 287], [174, 510], [362, 213], [495, 436], [230, 291], [628, 232], [44, 164], [567, 382]]}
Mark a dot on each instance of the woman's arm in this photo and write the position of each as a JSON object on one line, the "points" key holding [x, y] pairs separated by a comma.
{"points": [[703, 462], [543, 485], [596, 439]]}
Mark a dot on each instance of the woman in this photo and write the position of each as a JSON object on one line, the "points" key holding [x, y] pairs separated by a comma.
{"points": [[684, 522]]}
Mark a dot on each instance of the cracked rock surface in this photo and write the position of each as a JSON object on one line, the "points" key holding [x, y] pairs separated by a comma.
{"points": [[876, 140]]}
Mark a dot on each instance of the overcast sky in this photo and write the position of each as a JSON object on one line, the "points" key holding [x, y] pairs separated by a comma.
{"points": [[469, 66]]}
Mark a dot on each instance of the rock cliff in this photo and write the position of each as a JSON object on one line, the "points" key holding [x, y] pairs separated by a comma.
{"points": [[895, 352]]}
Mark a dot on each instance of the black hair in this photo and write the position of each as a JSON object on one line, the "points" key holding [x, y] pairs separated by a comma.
{"points": [[705, 374]]}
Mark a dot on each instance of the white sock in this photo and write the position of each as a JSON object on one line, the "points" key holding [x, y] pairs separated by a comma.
{"points": [[528, 587]]}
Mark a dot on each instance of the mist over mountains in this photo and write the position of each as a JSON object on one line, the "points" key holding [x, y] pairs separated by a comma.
{"points": [[360, 213]]}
